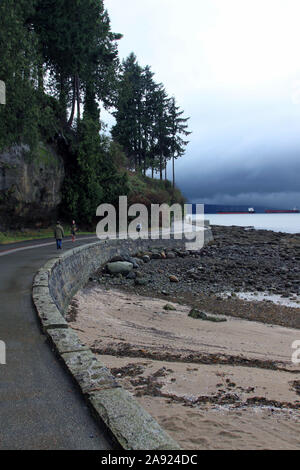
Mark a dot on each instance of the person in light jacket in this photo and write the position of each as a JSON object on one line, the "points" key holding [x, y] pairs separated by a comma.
{"points": [[59, 235]]}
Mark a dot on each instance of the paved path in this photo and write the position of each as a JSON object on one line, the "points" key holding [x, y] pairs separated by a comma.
{"points": [[40, 407]]}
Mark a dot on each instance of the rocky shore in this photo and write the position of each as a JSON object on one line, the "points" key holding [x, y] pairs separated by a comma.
{"points": [[241, 264], [173, 326]]}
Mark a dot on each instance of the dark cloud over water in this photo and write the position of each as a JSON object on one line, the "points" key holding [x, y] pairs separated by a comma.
{"points": [[246, 153], [234, 67]]}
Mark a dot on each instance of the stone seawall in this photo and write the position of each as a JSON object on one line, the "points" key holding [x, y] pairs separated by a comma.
{"points": [[54, 286], [73, 269]]}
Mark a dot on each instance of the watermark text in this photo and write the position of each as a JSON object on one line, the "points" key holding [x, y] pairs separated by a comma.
{"points": [[296, 353], [2, 353], [162, 222], [2, 92]]}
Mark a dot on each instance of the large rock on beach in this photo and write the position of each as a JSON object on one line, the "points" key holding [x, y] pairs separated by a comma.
{"points": [[141, 281], [169, 307], [119, 267], [117, 258], [136, 262], [156, 255], [131, 275]]}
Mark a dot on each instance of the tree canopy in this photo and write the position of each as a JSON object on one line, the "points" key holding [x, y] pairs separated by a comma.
{"points": [[59, 61], [149, 124]]}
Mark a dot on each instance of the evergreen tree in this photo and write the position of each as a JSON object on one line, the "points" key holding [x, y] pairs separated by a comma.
{"points": [[148, 119], [149, 126], [58, 57], [161, 129], [92, 177], [127, 130], [178, 128], [79, 50], [18, 69]]}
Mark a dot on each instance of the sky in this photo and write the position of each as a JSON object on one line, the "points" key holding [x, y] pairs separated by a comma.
{"points": [[234, 68]]}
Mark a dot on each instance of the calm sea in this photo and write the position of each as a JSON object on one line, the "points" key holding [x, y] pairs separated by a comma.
{"points": [[289, 223]]}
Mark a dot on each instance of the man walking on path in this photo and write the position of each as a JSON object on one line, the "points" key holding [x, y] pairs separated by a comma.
{"points": [[59, 235]]}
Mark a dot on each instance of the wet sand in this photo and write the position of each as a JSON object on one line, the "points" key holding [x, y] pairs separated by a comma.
{"points": [[211, 385]]}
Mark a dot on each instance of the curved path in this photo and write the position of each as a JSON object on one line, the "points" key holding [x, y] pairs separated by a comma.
{"points": [[40, 407]]}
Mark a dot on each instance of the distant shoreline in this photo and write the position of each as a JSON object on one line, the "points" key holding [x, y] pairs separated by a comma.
{"points": [[284, 223]]}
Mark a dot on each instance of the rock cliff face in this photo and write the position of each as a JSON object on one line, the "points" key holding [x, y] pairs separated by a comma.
{"points": [[30, 185]]}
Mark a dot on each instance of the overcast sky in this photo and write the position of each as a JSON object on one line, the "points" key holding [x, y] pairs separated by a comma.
{"points": [[234, 67]]}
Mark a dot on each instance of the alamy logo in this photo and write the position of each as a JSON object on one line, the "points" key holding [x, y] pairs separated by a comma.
{"points": [[164, 220], [2, 92], [296, 353], [2, 353]]}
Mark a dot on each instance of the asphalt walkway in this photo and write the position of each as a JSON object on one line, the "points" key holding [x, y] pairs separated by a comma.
{"points": [[40, 407]]}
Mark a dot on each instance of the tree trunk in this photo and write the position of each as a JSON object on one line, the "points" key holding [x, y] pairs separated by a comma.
{"points": [[78, 98], [161, 167], [70, 122], [41, 78], [173, 165], [63, 97]]}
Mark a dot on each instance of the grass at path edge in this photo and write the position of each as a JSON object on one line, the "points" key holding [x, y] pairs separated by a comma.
{"points": [[14, 237]]}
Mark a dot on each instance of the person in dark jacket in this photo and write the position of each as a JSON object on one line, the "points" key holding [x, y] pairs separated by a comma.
{"points": [[59, 235], [74, 229]]}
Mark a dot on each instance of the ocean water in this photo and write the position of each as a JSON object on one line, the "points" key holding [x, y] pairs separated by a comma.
{"points": [[289, 223]]}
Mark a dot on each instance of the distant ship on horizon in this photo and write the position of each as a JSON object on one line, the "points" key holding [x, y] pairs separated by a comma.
{"points": [[251, 210], [282, 211], [240, 209]]}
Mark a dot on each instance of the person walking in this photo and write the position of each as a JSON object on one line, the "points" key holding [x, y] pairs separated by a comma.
{"points": [[59, 235], [74, 229]]}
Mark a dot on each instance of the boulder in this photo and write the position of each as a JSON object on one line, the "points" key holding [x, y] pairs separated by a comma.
{"points": [[173, 279], [183, 254], [169, 307], [131, 275], [119, 267], [194, 313], [117, 258], [141, 281], [164, 292], [139, 274], [134, 261], [138, 261]]}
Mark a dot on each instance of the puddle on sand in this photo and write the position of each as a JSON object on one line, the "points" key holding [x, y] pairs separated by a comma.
{"points": [[292, 301]]}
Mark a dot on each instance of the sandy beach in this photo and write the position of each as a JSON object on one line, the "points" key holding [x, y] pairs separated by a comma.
{"points": [[228, 385]]}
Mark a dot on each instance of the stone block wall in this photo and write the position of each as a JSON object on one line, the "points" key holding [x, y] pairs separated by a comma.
{"points": [[54, 285]]}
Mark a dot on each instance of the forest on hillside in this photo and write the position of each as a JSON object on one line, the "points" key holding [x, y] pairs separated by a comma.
{"points": [[59, 61]]}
